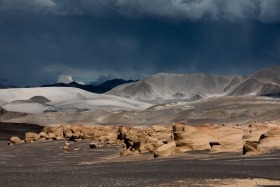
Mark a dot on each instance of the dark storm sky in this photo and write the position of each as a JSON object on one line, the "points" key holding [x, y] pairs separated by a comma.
{"points": [[44, 41]]}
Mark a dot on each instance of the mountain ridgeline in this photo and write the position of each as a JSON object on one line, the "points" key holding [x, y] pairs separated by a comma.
{"points": [[165, 86], [102, 88]]}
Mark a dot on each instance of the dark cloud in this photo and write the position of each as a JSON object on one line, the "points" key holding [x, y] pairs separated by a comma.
{"points": [[229, 10], [47, 39]]}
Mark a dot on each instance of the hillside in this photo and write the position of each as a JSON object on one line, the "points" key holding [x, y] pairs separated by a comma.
{"points": [[39, 100], [164, 86]]}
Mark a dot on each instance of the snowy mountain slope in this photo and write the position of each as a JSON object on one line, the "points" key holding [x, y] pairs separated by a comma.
{"points": [[268, 75], [248, 87], [2, 103], [270, 90], [27, 107], [51, 93], [68, 99], [165, 86]]}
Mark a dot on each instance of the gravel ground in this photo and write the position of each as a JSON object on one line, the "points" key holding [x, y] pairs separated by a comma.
{"points": [[45, 164]]}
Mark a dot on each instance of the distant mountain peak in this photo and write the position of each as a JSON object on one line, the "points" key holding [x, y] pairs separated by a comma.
{"points": [[169, 86], [102, 88]]}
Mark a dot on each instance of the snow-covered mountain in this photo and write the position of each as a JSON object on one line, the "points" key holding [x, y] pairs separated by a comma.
{"points": [[165, 86], [38, 100]]}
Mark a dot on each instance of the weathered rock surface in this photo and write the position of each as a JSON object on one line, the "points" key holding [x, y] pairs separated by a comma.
{"points": [[57, 130], [270, 140], [15, 140], [166, 140], [31, 137], [66, 146], [165, 150], [250, 148]]}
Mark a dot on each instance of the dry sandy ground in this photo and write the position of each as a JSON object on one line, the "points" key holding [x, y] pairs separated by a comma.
{"points": [[45, 164]]}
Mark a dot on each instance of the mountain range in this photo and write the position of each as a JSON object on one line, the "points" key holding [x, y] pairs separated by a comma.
{"points": [[166, 86], [101, 88]]}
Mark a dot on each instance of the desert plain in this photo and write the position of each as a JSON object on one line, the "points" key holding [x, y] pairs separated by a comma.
{"points": [[220, 131]]}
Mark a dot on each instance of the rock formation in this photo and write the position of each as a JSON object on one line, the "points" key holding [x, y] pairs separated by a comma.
{"points": [[166, 140]]}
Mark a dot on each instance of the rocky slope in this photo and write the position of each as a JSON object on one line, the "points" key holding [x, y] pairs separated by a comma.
{"points": [[164, 86]]}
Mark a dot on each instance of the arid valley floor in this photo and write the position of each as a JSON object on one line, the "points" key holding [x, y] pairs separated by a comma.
{"points": [[222, 131], [45, 163]]}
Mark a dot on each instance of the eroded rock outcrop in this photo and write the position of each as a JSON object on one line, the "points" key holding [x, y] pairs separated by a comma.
{"points": [[15, 140], [30, 137], [262, 139], [144, 140], [165, 140], [269, 141], [165, 150]]}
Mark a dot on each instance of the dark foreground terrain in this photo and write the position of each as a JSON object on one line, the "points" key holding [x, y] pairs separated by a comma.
{"points": [[17, 129], [46, 164]]}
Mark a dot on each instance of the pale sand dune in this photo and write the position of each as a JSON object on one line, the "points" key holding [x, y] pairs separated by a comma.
{"points": [[64, 99], [27, 107], [51, 93]]}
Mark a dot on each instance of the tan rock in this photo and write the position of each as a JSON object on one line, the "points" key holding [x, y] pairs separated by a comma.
{"points": [[52, 136], [15, 140], [254, 135], [165, 150], [230, 139], [147, 148], [132, 136], [42, 139], [37, 137], [76, 135], [270, 141], [250, 148], [184, 136], [89, 134], [182, 128], [102, 139], [30, 137], [125, 152], [42, 135], [67, 144], [68, 134], [66, 148], [109, 137], [123, 130], [48, 137], [112, 142], [227, 147], [159, 128], [56, 129]]}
